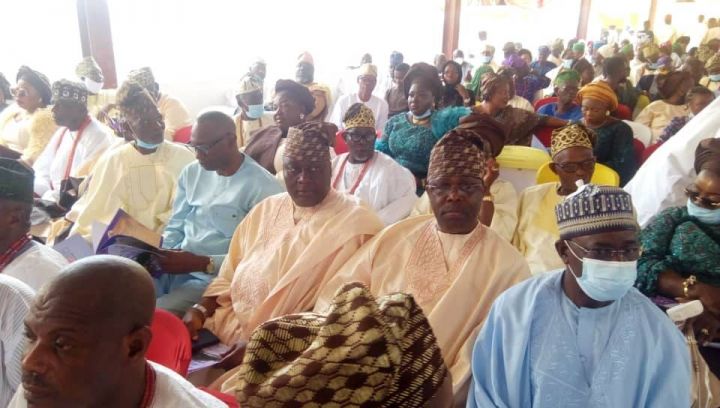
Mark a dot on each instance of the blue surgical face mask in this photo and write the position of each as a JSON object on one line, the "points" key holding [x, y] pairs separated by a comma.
{"points": [[704, 215], [485, 59], [714, 77], [655, 66], [424, 115], [147, 146], [255, 111], [567, 63], [605, 281]]}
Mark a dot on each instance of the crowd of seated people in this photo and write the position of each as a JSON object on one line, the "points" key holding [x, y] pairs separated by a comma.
{"points": [[373, 249]]}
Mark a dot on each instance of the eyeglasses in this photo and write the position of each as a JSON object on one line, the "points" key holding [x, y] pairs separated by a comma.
{"points": [[572, 167], [205, 148], [296, 170], [445, 189], [607, 254], [143, 122], [357, 137], [695, 197]]}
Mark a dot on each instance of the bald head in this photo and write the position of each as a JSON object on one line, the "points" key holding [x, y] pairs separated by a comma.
{"points": [[215, 142], [109, 289]]}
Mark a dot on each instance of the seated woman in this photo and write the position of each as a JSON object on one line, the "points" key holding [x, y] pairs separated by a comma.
{"points": [[294, 102], [455, 93], [519, 123], [712, 80], [614, 147], [658, 114], [409, 138], [26, 127], [585, 69], [567, 85], [681, 256], [697, 99]]}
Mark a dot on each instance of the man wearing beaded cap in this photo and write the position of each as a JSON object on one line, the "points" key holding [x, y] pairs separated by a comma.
{"points": [[452, 264], [89, 72], [139, 177], [286, 249], [364, 352], [571, 148], [374, 177], [582, 336], [75, 146], [174, 113]]}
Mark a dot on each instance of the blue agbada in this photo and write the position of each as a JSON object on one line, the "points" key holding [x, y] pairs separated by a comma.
{"points": [[206, 211], [537, 349]]}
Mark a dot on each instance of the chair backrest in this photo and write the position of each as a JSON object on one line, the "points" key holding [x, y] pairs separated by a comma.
{"points": [[170, 345], [544, 101], [623, 112], [640, 132], [522, 157], [182, 135], [603, 175], [639, 151]]}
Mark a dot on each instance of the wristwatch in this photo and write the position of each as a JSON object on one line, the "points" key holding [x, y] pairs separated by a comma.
{"points": [[200, 308], [210, 269]]}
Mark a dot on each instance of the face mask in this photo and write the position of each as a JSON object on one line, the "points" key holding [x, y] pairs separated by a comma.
{"points": [[704, 215], [147, 146], [92, 86], [459, 60], [714, 77], [255, 111], [485, 59], [605, 281], [424, 115], [567, 63]]}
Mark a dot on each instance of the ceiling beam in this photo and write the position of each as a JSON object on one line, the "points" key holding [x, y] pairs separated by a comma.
{"points": [[96, 37], [451, 27]]}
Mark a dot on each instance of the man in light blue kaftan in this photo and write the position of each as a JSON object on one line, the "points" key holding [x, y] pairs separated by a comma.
{"points": [[214, 194], [582, 336]]}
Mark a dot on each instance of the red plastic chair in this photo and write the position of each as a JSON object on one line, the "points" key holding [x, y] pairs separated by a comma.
{"points": [[182, 135], [623, 112], [639, 151], [170, 345], [650, 150], [544, 133], [544, 101]]}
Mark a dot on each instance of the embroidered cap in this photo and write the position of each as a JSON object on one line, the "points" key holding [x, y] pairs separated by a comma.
{"points": [[365, 352], [359, 116], [89, 68], [16, 181], [308, 141], [64, 90], [143, 76], [595, 209], [572, 135]]}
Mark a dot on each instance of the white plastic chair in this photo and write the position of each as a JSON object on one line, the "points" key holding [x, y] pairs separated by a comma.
{"points": [[640, 132]]}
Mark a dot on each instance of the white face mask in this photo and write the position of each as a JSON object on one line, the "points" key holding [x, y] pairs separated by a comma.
{"points": [[459, 60], [92, 86], [605, 281]]}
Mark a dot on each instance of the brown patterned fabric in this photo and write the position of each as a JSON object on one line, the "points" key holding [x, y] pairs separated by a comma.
{"points": [[594, 209], [89, 68], [363, 117], [572, 135], [364, 353], [133, 97], [64, 90], [143, 76], [490, 130], [308, 141]]}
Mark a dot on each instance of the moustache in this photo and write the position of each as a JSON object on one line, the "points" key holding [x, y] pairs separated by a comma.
{"points": [[33, 379]]}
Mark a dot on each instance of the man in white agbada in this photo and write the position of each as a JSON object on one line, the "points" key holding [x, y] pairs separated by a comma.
{"points": [[139, 177], [75, 146], [87, 339], [20, 257], [582, 336], [660, 182], [377, 179], [15, 299], [174, 113], [367, 79]]}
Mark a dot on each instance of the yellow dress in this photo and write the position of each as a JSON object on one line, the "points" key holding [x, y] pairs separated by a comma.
{"points": [[27, 133]]}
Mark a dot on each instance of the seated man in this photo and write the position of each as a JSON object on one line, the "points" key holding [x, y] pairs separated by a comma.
{"points": [[373, 177], [138, 177], [286, 249], [571, 148], [174, 113], [305, 75], [15, 300], [375, 342], [452, 265], [75, 146], [90, 73], [20, 257], [583, 336], [213, 195], [499, 205], [367, 79], [250, 115], [87, 338], [567, 85]]}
